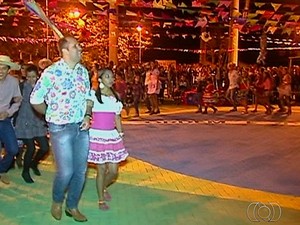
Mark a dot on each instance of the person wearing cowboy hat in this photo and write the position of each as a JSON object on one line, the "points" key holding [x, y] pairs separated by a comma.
{"points": [[10, 101]]}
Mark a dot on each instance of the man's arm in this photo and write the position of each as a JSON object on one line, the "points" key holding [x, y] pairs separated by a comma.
{"points": [[16, 103], [88, 115]]}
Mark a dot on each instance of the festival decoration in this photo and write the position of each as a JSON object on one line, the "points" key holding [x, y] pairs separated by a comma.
{"points": [[38, 11], [205, 36], [52, 4], [162, 16]]}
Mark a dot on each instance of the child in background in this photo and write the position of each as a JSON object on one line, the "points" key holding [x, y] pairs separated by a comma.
{"points": [[128, 99], [137, 91], [209, 97]]}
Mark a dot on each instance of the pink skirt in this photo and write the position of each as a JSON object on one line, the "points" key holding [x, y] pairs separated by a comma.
{"points": [[106, 146]]}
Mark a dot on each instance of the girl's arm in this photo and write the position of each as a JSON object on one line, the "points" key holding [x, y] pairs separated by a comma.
{"points": [[119, 125]]}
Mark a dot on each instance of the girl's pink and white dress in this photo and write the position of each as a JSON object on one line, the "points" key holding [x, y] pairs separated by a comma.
{"points": [[106, 145]]}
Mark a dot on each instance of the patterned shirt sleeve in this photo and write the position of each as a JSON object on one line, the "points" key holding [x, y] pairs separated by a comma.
{"points": [[42, 87]]}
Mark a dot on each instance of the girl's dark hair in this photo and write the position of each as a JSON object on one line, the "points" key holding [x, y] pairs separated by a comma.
{"points": [[98, 91]]}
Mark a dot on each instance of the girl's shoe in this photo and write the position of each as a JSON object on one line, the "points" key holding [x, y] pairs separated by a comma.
{"points": [[27, 178], [107, 196], [103, 206], [35, 169]]}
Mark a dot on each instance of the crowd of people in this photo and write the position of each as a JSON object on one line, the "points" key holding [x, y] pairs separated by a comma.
{"points": [[80, 108], [212, 85]]}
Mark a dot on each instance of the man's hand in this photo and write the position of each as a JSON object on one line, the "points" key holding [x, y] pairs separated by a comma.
{"points": [[17, 99], [3, 115], [85, 123]]}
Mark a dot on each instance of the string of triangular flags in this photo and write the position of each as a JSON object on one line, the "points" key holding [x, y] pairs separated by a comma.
{"points": [[201, 13]]}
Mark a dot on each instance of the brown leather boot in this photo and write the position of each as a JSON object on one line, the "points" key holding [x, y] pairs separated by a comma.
{"points": [[4, 178], [77, 216], [56, 210]]}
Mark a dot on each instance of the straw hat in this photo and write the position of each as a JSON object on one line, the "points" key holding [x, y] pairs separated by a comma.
{"points": [[44, 63], [5, 60]]}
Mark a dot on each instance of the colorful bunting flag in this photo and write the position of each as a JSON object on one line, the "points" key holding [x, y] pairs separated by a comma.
{"points": [[287, 31], [189, 23], [290, 24], [267, 14], [252, 15], [155, 24], [178, 19], [223, 14], [291, 6], [167, 24], [275, 6], [149, 15], [294, 17], [259, 4], [158, 5], [277, 17], [196, 4], [272, 30], [201, 22], [178, 24], [100, 6], [224, 2], [130, 13], [271, 23], [182, 5]]}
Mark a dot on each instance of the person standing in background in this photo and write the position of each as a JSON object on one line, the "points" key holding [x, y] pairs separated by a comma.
{"points": [[232, 91], [62, 94], [285, 91], [30, 128], [10, 101], [137, 89]]}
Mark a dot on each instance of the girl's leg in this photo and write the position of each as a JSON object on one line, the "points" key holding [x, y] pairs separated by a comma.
{"points": [[214, 108], [205, 109], [101, 173], [155, 103], [28, 159], [151, 98], [136, 104], [112, 174], [43, 151], [288, 103], [255, 103], [100, 185], [244, 103]]}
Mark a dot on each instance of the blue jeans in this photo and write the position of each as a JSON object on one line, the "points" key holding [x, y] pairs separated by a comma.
{"points": [[8, 138], [70, 148]]}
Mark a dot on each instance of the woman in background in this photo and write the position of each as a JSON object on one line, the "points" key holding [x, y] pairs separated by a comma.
{"points": [[31, 128]]}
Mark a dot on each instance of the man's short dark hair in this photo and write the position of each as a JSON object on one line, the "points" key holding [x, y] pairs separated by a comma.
{"points": [[63, 43]]}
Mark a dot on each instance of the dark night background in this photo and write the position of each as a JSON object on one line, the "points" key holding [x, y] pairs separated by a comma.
{"points": [[161, 36], [274, 57]]}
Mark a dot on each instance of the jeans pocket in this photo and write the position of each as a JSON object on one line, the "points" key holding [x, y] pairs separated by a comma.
{"points": [[53, 128]]}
